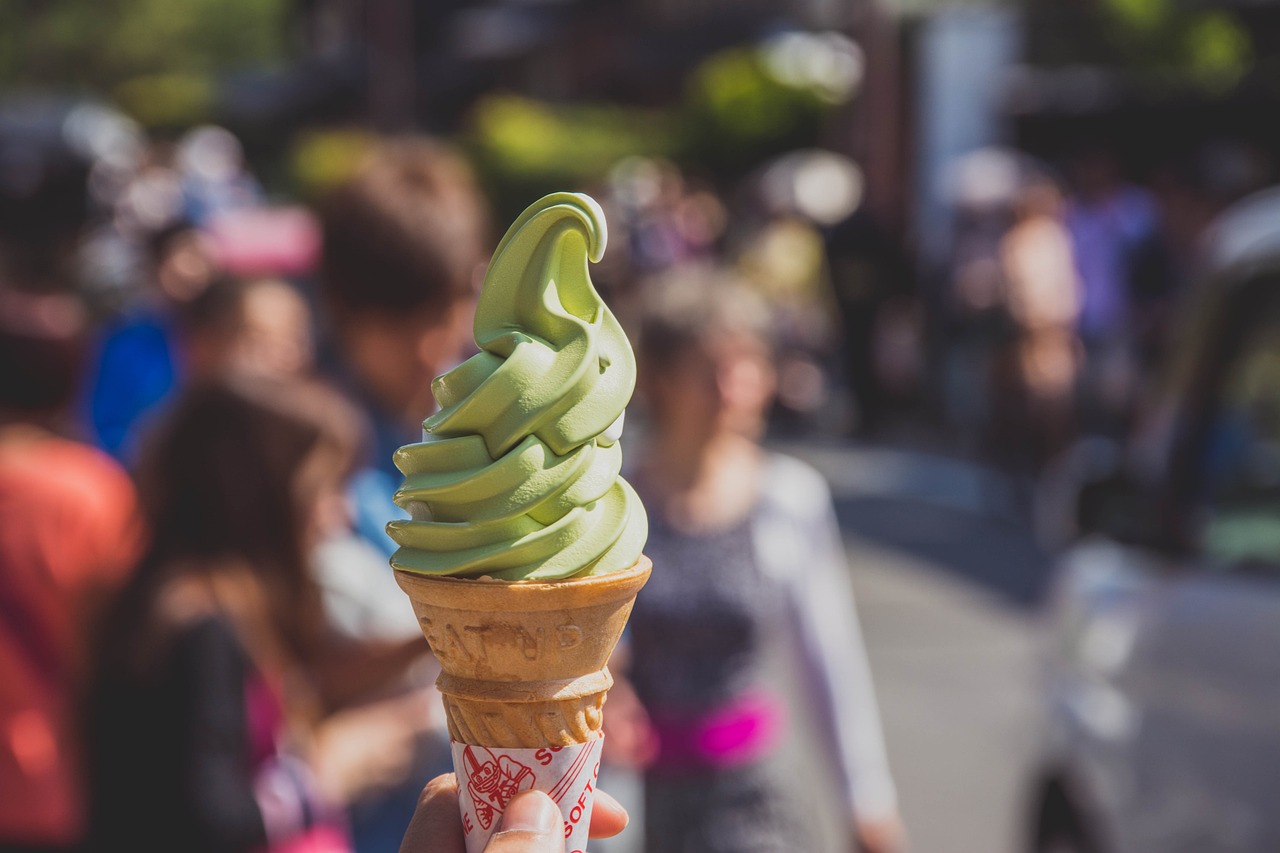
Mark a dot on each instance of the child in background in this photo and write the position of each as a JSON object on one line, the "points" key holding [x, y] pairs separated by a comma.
{"points": [[748, 563]]}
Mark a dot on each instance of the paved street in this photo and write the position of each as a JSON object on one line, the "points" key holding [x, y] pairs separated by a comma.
{"points": [[946, 578], [955, 674]]}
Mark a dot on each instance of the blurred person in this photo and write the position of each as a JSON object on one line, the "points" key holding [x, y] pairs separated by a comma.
{"points": [[146, 195], [971, 323], [784, 260], [531, 822], [752, 566], [258, 326], [1108, 220], [805, 224], [209, 696], [137, 365], [214, 180], [659, 218], [404, 245], [1034, 403], [247, 326], [869, 275], [70, 532]]}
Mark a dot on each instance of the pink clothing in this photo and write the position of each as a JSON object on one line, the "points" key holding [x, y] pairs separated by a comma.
{"points": [[739, 733]]}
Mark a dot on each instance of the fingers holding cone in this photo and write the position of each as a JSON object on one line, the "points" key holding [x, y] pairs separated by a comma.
{"points": [[531, 823]]}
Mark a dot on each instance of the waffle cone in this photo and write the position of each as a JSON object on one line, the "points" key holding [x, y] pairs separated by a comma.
{"points": [[524, 664]]}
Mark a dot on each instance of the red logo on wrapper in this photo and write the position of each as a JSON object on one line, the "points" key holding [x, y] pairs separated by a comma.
{"points": [[492, 782], [492, 777]]}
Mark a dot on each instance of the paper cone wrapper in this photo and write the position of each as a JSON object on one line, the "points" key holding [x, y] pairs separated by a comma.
{"points": [[524, 675], [489, 778]]}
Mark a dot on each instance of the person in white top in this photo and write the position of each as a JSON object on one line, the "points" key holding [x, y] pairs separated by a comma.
{"points": [[749, 580]]}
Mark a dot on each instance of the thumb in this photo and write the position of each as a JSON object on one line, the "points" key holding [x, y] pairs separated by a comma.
{"points": [[530, 824]]}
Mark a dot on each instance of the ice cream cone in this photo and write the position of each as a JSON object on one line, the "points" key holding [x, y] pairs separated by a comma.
{"points": [[513, 494], [524, 664]]}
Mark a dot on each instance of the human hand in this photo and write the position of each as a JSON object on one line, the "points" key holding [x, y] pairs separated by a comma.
{"points": [[630, 740], [366, 748], [881, 835], [530, 824]]}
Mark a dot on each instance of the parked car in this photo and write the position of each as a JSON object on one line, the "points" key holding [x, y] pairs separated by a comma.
{"points": [[1163, 642]]}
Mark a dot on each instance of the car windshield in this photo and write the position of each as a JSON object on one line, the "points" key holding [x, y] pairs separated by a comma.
{"points": [[1241, 460]]}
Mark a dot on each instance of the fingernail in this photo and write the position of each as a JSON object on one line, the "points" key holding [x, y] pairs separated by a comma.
{"points": [[532, 811]]}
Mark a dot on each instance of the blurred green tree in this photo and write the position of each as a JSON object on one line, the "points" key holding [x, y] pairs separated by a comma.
{"points": [[100, 45], [741, 106], [523, 147], [736, 113], [1209, 45]]}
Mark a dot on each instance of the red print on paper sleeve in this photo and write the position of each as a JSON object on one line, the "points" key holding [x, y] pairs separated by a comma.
{"points": [[493, 781]]}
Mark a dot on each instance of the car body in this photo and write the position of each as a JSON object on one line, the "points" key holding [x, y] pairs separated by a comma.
{"points": [[1162, 648]]}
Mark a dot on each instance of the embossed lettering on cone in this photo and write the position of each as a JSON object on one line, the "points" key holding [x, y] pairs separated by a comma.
{"points": [[524, 664]]}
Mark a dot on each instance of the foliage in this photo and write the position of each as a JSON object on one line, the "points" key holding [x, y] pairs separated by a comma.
{"points": [[320, 160], [737, 114], [98, 45], [1173, 39], [167, 100], [1218, 49], [523, 147]]}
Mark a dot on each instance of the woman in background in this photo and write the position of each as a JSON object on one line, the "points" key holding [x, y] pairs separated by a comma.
{"points": [[205, 722], [749, 563]]}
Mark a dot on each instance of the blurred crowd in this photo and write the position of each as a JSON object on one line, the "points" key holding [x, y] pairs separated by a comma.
{"points": [[1065, 290], [221, 628], [202, 390]]}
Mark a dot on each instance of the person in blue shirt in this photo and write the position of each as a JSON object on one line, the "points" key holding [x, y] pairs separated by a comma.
{"points": [[405, 240], [137, 364]]}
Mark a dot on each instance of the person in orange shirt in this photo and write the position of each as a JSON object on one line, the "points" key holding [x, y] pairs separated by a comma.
{"points": [[70, 532]]}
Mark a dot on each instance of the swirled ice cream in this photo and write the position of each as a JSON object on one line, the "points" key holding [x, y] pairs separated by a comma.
{"points": [[517, 474]]}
